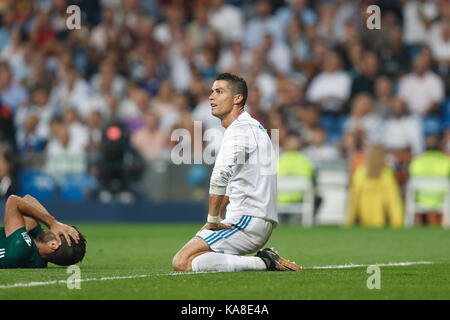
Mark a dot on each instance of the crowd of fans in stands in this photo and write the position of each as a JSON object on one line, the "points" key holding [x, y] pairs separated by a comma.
{"points": [[113, 91]]}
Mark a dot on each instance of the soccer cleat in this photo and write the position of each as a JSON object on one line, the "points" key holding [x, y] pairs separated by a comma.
{"points": [[274, 262]]}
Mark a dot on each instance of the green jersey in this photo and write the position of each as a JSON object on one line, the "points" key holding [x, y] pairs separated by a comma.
{"points": [[18, 250]]}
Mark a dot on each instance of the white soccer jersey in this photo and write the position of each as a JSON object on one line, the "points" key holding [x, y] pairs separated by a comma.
{"points": [[245, 170]]}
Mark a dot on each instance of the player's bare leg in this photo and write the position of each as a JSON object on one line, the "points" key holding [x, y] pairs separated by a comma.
{"points": [[194, 248]]}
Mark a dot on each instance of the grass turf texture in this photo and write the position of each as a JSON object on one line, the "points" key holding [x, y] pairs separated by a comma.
{"points": [[147, 249]]}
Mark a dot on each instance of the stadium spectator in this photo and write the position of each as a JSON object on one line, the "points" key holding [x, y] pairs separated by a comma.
{"points": [[94, 126], [72, 92], [227, 19], [319, 151], [263, 78], [277, 54], [300, 44], [254, 106], [293, 163], [422, 89], [374, 193], [368, 71], [417, 18], [439, 41], [431, 163], [8, 184], [383, 95], [236, 59], [28, 138], [395, 54], [363, 117], [309, 117], [401, 130], [12, 94], [331, 88], [64, 155], [296, 8], [150, 141], [7, 131], [99, 34], [107, 81], [345, 18], [263, 22], [39, 107], [133, 118], [164, 105], [18, 53], [198, 29], [76, 128]]}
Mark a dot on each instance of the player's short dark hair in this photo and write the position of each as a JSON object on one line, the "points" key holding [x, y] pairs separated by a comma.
{"points": [[237, 84], [65, 255]]}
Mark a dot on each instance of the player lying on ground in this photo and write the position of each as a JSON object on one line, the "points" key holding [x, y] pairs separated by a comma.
{"points": [[24, 244], [244, 181]]}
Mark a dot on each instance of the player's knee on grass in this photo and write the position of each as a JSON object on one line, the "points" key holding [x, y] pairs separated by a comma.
{"points": [[180, 263]]}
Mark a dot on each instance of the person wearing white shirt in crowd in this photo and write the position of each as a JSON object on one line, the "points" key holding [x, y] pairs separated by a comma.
{"points": [[236, 58], [319, 150], [64, 155], [263, 22], [108, 80], [99, 34], [422, 90], [296, 8], [439, 41], [41, 108], [78, 131], [227, 19], [71, 92], [417, 18], [363, 117], [401, 130], [331, 87], [12, 93], [244, 181]]}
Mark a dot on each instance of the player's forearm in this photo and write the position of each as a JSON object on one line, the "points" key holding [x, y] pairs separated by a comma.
{"points": [[27, 209], [223, 206], [214, 204]]}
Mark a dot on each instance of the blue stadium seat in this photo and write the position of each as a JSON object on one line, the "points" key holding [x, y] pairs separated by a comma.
{"points": [[38, 184], [75, 187], [446, 113], [197, 175], [432, 125]]}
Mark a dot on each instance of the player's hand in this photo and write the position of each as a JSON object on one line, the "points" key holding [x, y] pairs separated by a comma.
{"points": [[59, 229], [216, 226]]}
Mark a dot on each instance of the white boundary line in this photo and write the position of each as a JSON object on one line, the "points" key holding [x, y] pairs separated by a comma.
{"points": [[390, 264], [345, 266]]}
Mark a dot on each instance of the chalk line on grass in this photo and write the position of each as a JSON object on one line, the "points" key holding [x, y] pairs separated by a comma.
{"points": [[390, 264], [52, 282]]}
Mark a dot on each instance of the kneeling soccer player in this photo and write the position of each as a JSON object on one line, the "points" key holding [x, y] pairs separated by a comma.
{"points": [[24, 244], [244, 181]]}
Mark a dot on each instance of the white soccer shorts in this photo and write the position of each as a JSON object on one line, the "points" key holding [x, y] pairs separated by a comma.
{"points": [[248, 235]]}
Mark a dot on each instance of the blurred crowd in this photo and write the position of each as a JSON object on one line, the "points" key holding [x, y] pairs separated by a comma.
{"points": [[105, 98]]}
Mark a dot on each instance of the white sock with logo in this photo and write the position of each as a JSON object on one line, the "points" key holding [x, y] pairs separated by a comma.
{"points": [[213, 261]]}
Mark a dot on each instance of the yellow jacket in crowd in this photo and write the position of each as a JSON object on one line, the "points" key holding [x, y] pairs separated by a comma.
{"points": [[374, 201]]}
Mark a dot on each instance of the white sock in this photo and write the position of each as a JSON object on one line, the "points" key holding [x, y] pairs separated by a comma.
{"points": [[213, 261]]}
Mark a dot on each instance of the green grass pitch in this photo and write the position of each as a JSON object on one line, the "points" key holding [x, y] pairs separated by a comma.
{"points": [[146, 250]]}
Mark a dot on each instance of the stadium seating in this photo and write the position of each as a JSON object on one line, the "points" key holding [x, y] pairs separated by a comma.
{"points": [[332, 187], [75, 187], [38, 184], [305, 208], [430, 184]]}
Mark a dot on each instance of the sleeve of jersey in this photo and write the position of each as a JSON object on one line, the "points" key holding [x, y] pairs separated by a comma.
{"points": [[233, 153]]}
